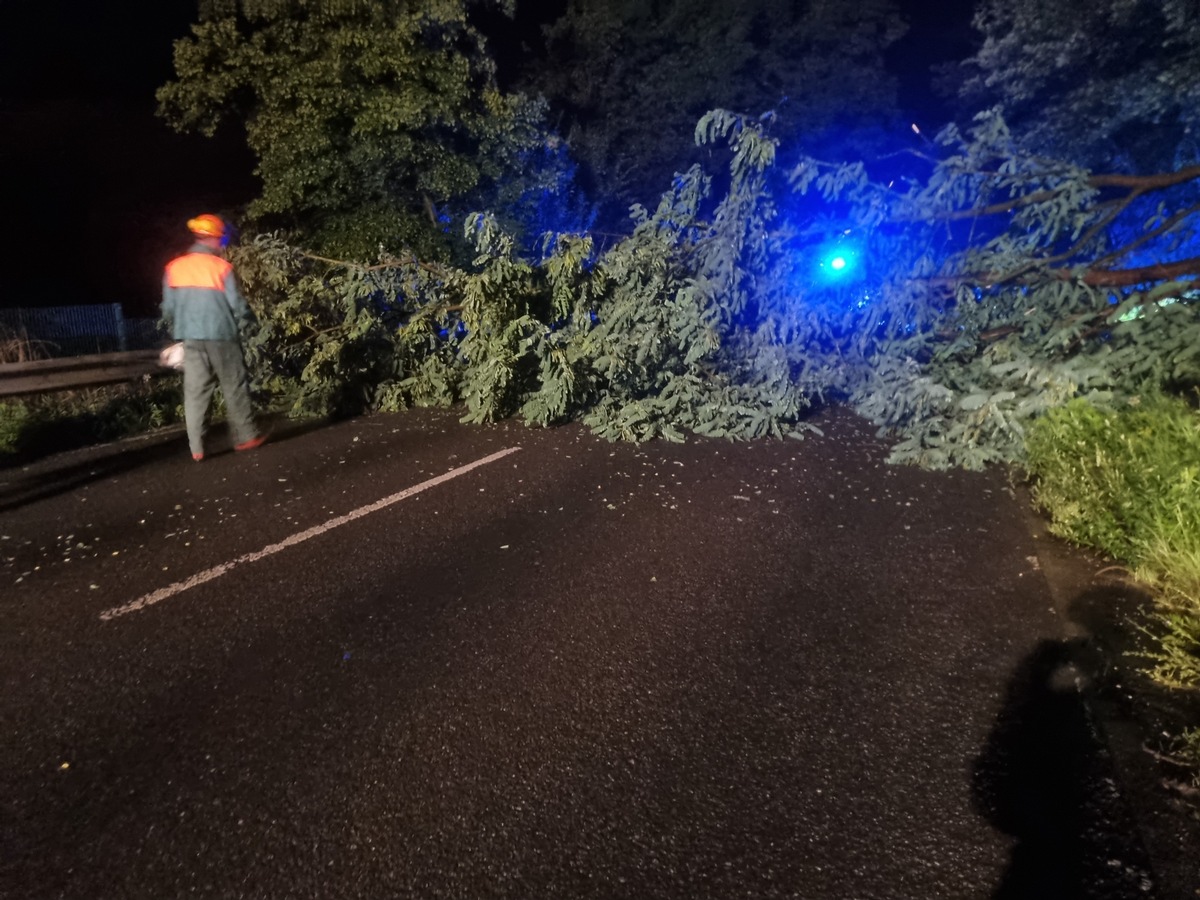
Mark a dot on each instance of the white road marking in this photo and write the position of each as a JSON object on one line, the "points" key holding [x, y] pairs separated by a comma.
{"points": [[217, 571]]}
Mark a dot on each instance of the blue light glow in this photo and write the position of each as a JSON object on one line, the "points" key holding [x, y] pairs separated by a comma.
{"points": [[838, 262]]}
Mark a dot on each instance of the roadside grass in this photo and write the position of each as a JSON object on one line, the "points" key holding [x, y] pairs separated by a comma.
{"points": [[1175, 573], [49, 423], [17, 346], [1127, 482]]}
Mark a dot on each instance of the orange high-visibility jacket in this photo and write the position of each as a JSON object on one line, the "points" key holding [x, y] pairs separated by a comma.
{"points": [[201, 297]]}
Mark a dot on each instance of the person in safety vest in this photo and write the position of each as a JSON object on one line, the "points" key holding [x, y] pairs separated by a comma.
{"points": [[204, 307]]}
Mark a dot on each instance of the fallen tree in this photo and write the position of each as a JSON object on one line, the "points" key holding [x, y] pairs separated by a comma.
{"points": [[994, 287]]}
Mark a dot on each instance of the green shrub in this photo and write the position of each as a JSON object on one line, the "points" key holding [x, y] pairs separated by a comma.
{"points": [[1127, 481], [14, 417], [1124, 481], [49, 423], [1174, 570]]}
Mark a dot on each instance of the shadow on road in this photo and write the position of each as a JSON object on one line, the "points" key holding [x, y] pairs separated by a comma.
{"points": [[53, 476], [51, 480], [1045, 778]]}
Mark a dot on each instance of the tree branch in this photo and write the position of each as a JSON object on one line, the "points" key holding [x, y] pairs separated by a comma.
{"points": [[432, 268], [1094, 278], [1147, 182], [1138, 184], [1130, 277], [1149, 235]]}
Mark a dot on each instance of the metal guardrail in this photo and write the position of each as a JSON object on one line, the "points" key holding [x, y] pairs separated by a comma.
{"points": [[47, 375]]}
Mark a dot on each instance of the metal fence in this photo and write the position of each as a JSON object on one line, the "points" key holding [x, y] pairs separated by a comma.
{"points": [[145, 334], [76, 330]]}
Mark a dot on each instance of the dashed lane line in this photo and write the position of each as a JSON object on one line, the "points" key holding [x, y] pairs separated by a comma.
{"points": [[300, 537]]}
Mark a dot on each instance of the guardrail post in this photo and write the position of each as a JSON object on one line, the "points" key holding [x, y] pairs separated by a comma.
{"points": [[119, 316]]}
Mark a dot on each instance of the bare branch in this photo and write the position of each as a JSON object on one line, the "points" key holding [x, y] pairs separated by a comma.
{"points": [[1138, 185], [1130, 277], [1093, 278], [411, 260], [1149, 235]]}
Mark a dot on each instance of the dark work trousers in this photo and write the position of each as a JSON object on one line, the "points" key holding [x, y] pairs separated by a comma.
{"points": [[205, 363]]}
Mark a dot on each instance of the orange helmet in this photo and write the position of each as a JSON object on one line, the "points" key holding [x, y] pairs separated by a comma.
{"points": [[207, 225]]}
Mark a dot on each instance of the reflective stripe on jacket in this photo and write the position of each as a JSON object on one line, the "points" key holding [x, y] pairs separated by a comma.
{"points": [[201, 298]]}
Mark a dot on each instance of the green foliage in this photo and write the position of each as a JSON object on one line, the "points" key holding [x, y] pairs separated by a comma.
{"points": [[653, 338], [363, 116], [329, 336], [999, 301], [1127, 481], [14, 420], [708, 317]]}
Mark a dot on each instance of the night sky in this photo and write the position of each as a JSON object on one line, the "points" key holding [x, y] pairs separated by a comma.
{"points": [[97, 188]]}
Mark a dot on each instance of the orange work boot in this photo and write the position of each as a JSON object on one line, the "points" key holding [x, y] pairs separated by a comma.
{"points": [[252, 443]]}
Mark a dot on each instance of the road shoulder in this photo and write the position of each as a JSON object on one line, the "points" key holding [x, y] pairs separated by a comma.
{"points": [[1100, 607]]}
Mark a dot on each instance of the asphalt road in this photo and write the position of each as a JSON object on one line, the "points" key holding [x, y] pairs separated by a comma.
{"points": [[710, 670]]}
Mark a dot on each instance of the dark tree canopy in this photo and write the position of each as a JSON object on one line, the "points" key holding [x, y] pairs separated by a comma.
{"points": [[1109, 84], [627, 80], [364, 116]]}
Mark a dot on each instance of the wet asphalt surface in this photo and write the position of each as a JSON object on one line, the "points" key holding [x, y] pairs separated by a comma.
{"points": [[710, 670]]}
